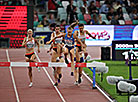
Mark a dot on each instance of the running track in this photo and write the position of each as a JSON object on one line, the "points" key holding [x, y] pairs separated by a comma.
{"points": [[43, 89]]}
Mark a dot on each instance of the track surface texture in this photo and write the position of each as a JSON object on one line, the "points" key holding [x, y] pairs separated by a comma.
{"points": [[43, 89]]}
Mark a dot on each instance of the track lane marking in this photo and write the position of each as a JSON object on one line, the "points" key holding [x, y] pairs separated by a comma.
{"points": [[13, 81], [98, 87], [61, 96]]}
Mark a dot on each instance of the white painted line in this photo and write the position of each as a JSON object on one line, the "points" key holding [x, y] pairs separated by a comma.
{"points": [[13, 81], [51, 80], [98, 88]]}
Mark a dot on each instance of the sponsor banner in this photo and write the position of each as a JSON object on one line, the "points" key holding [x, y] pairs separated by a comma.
{"points": [[104, 35]]}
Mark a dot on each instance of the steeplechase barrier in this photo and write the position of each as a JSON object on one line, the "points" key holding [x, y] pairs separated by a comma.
{"points": [[93, 65]]}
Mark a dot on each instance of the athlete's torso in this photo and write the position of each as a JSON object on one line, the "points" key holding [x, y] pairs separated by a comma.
{"points": [[30, 45], [69, 40], [57, 40], [82, 36]]}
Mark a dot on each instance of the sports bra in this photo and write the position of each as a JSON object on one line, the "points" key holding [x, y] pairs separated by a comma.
{"points": [[30, 44], [81, 37], [69, 40]]}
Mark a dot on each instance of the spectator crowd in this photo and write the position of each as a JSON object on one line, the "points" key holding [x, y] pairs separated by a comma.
{"points": [[90, 12]]}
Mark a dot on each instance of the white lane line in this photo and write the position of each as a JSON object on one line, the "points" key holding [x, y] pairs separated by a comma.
{"points": [[61, 96], [98, 88], [13, 81]]}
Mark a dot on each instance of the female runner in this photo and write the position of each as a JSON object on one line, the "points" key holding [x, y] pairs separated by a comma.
{"points": [[69, 38], [82, 36], [56, 53], [29, 43]]}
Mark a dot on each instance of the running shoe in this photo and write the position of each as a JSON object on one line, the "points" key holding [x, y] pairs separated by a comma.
{"points": [[80, 80], [38, 69], [66, 61], [72, 74], [60, 75], [56, 84], [57, 59], [31, 84], [76, 83], [59, 80]]}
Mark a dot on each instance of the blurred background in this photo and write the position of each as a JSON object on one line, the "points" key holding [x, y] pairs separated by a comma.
{"points": [[107, 19]]}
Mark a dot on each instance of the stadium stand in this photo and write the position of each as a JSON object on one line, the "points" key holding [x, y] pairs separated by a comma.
{"points": [[125, 9]]}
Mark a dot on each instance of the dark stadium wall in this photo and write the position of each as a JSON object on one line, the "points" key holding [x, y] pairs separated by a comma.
{"points": [[30, 15]]}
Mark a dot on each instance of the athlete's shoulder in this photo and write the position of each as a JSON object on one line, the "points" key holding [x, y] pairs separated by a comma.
{"points": [[52, 34], [62, 33], [76, 31], [65, 34], [25, 38], [33, 39], [85, 31]]}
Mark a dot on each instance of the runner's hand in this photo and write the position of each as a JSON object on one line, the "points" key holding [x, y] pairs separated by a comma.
{"points": [[82, 48], [48, 51], [38, 51], [77, 21], [48, 42]]}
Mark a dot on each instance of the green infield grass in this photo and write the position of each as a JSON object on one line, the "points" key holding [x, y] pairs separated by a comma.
{"points": [[116, 68]]}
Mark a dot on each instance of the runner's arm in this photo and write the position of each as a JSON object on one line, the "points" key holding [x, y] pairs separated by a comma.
{"points": [[50, 48], [59, 36], [37, 45], [76, 37], [52, 36], [74, 24], [24, 42]]}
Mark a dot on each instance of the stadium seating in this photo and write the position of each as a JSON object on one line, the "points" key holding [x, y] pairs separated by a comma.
{"points": [[65, 4], [40, 17], [82, 21], [61, 10], [124, 10], [87, 17], [9, 3], [79, 3], [63, 16], [97, 4], [121, 22], [80, 17], [103, 17], [78, 10], [102, 2], [135, 21], [75, 3], [36, 23], [126, 17], [106, 21], [128, 22]]}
